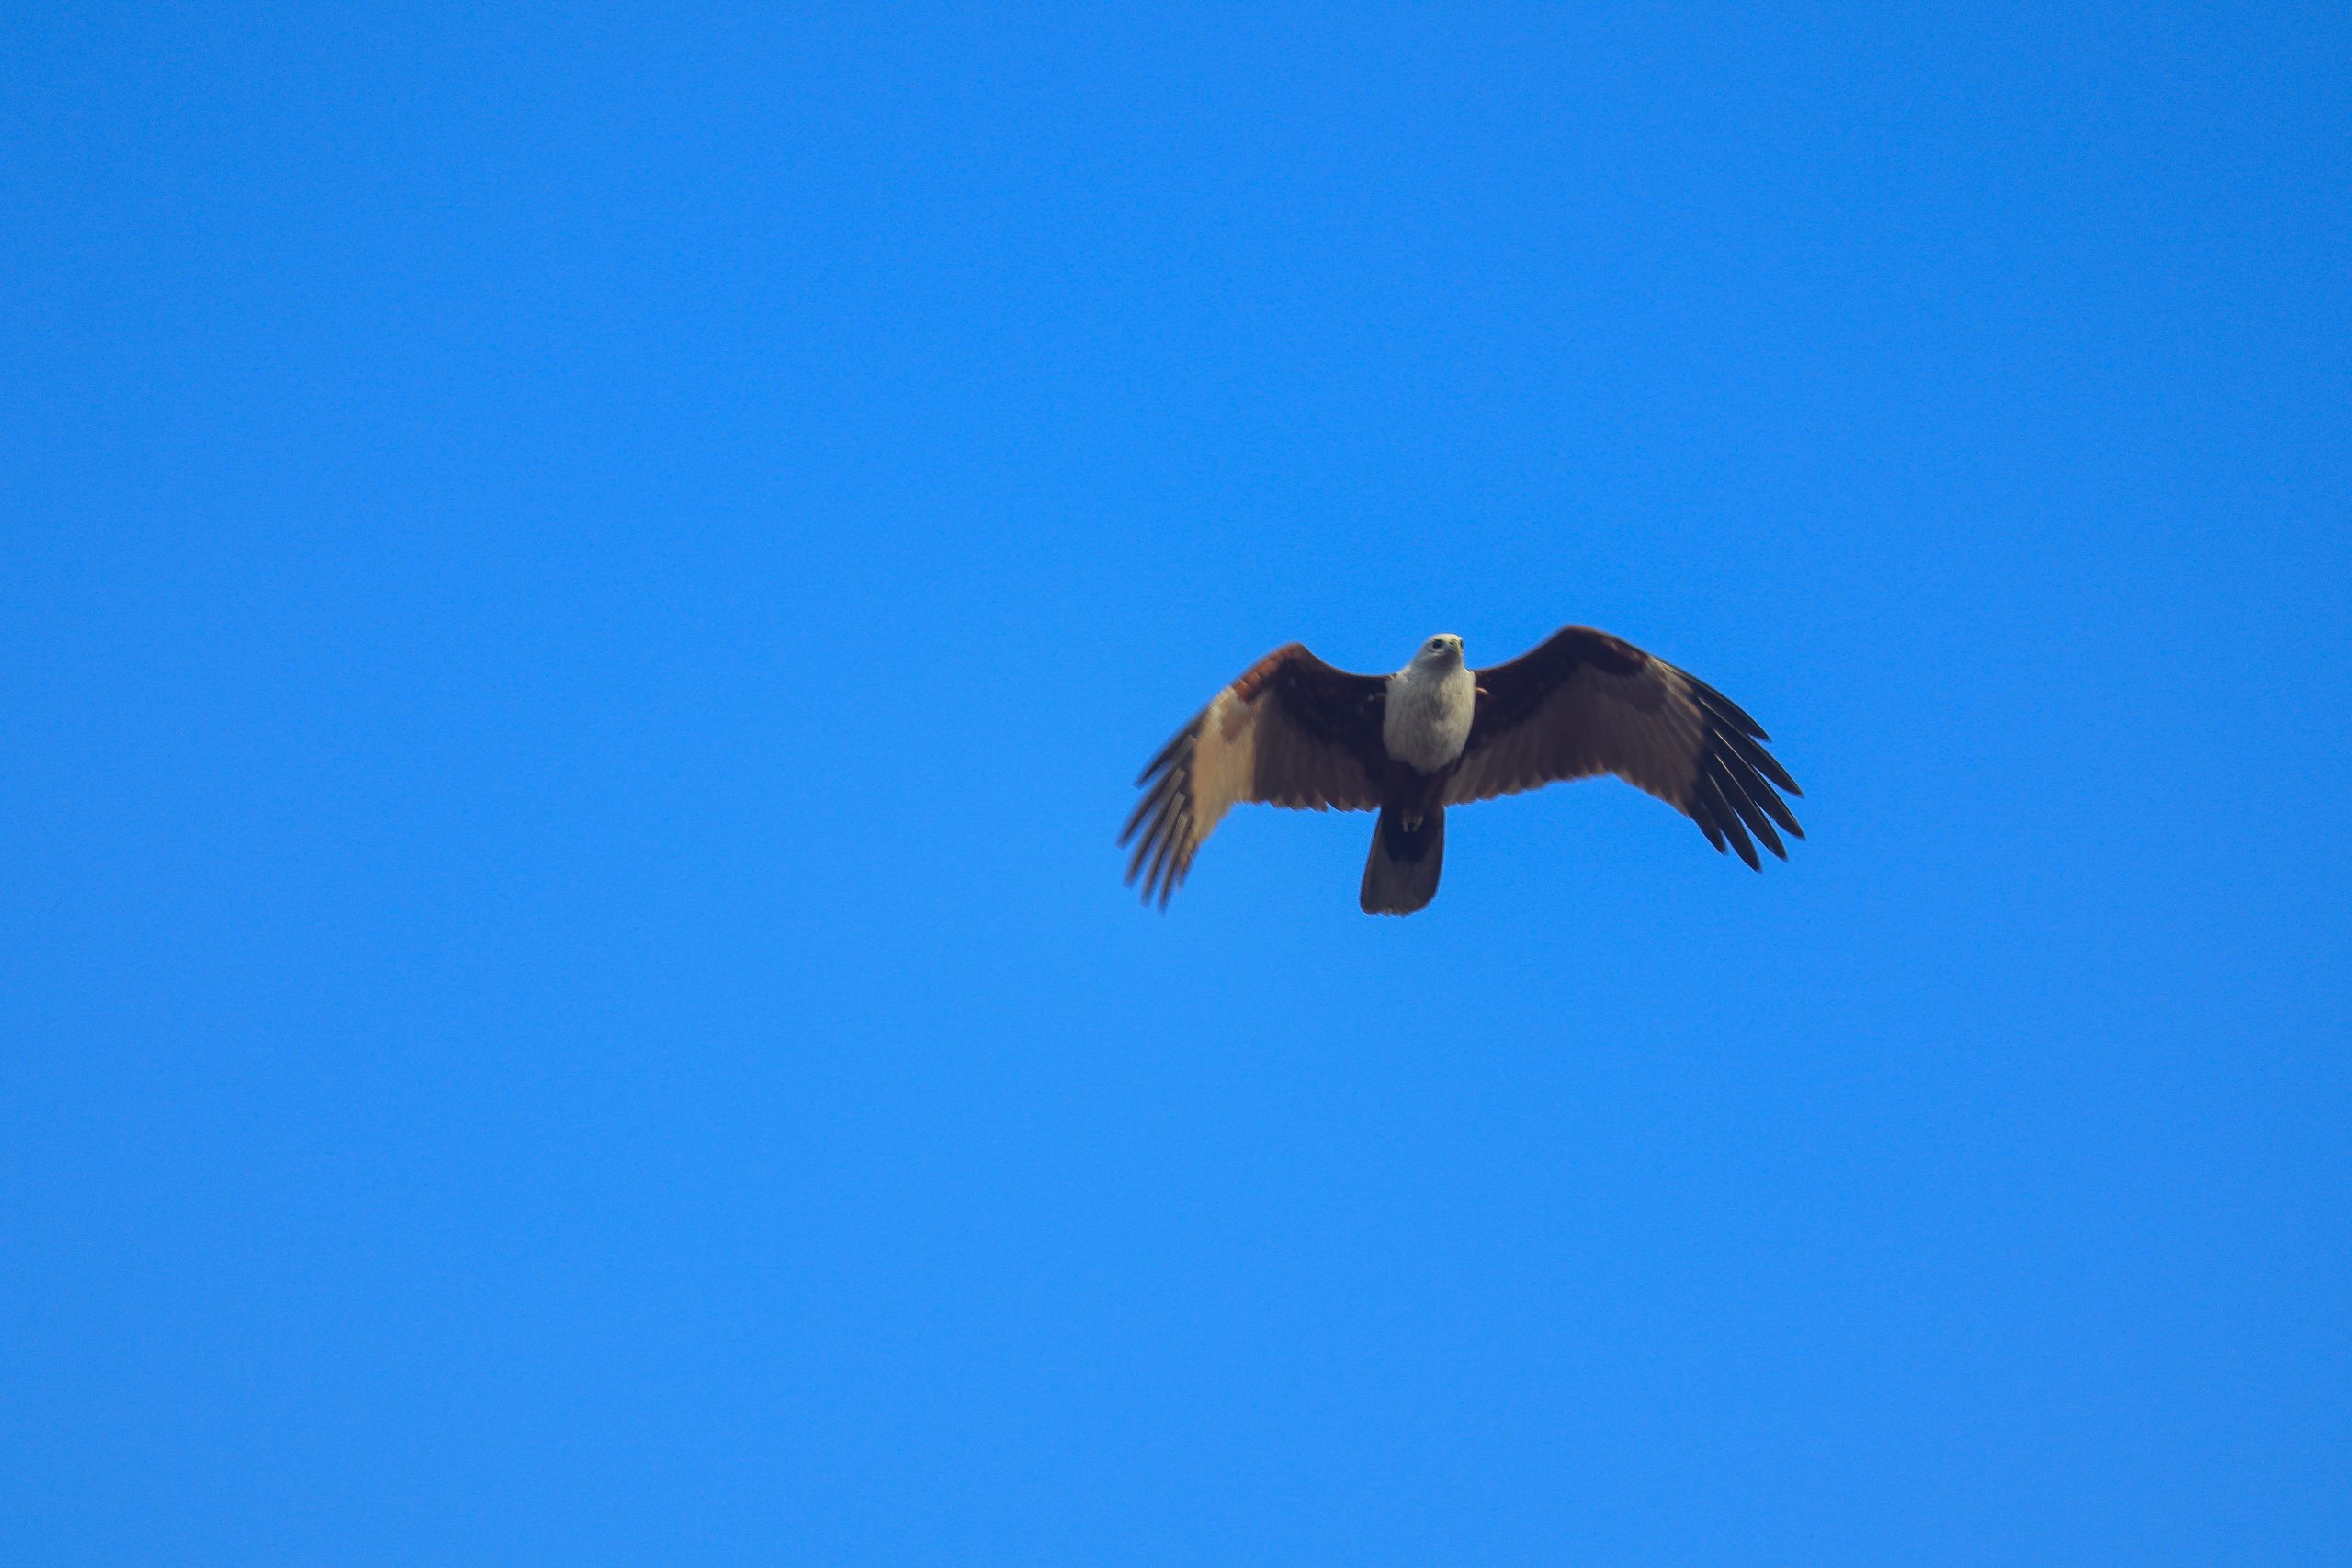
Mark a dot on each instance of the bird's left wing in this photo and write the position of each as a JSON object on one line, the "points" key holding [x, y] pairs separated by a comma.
{"points": [[1290, 731], [1585, 703]]}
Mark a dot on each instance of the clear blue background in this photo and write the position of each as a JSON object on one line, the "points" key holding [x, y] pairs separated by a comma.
{"points": [[582, 593]]}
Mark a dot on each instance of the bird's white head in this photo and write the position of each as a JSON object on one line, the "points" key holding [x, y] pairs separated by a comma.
{"points": [[1443, 651]]}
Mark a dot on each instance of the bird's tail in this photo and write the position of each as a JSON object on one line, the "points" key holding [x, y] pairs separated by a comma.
{"points": [[1400, 875]]}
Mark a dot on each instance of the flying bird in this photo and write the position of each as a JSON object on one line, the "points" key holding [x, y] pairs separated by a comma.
{"points": [[1294, 731]]}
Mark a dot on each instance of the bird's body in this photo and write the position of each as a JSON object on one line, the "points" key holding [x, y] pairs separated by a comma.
{"points": [[1425, 720], [1428, 707], [1294, 731]]}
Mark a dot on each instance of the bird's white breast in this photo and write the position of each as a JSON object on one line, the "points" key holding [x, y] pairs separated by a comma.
{"points": [[1429, 713]]}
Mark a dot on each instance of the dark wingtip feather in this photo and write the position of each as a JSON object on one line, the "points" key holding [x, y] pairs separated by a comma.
{"points": [[1179, 741], [1776, 808], [1160, 820], [1756, 757], [1701, 812], [1725, 708], [1736, 791], [1733, 829], [1744, 788]]}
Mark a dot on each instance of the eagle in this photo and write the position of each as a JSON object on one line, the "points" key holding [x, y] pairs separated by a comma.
{"points": [[1294, 731]]}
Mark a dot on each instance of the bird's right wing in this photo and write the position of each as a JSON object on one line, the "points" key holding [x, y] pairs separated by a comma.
{"points": [[1290, 731]]}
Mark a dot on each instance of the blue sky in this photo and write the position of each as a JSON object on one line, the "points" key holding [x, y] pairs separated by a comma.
{"points": [[583, 592]]}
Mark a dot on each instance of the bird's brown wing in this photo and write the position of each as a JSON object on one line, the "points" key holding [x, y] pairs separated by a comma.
{"points": [[1586, 703], [1290, 731]]}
